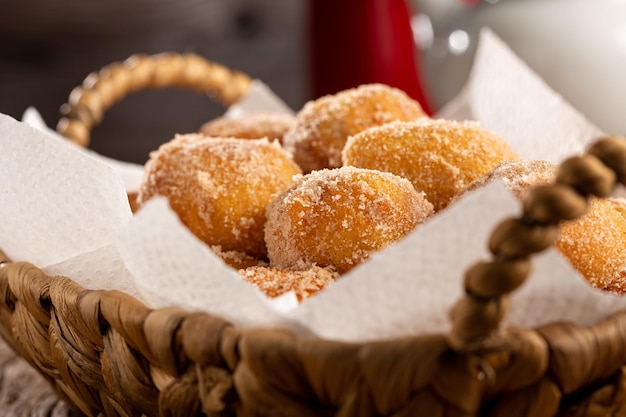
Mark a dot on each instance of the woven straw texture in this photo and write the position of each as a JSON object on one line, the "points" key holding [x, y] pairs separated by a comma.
{"points": [[107, 354], [101, 90]]}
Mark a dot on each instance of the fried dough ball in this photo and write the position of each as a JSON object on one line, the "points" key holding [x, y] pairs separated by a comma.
{"points": [[323, 125], [518, 176], [439, 157], [220, 187], [237, 260], [275, 282], [132, 201], [338, 217], [595, 243], [250, 126], [619, 204]]}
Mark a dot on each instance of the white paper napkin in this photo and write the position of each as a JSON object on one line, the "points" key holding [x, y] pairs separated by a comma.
{"points": [[174, 268], [56, 202], [131, 174], [68, 211]]}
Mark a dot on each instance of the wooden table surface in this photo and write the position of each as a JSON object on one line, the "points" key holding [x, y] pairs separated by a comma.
{"points": [[24, 392]]}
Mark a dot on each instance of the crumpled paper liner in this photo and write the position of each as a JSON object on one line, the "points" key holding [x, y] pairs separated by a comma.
{"points": [[508, 98], [56, 201], [404, 290]]}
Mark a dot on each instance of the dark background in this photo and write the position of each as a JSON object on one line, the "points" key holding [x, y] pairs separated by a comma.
{"points": [[48, 47]]}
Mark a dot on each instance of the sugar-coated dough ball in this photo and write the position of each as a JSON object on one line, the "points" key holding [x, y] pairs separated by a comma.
{"points": [[337, 217], [275, 282], [323, 125], [440, 157], [518, 176], [596, 244], [237, 260], [220, 188], [250, 126]]}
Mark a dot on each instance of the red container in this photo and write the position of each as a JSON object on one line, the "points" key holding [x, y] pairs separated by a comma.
{"points": [[357, 42]]}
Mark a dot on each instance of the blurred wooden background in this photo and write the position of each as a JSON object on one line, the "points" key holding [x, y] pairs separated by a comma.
{"points": [[47, 48]]}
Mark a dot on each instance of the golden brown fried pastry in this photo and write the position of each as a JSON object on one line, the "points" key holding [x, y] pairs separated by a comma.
{"points": [[250, 126], [323, 125], [518, 176], [274, 282], [338, 217], [439, 157], [237, 260], [595, 244], [220, 188]]}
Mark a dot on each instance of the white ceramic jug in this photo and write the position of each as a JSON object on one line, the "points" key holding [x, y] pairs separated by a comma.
{"points": [[577, 46]]}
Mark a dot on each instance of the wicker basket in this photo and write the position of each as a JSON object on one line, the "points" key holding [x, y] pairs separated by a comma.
{"points": [[107, 354]]}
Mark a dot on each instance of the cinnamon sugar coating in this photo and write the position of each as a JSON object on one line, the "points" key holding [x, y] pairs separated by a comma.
{"points": [[220, 187], [595, 243], [250, 126], [439, 157], [274, 282], [518, 176], [323, 125], [237, 260], [338, 217]]}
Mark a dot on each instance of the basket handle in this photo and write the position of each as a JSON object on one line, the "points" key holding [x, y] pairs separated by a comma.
{"points": [[487, 284], [101, 90]]}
